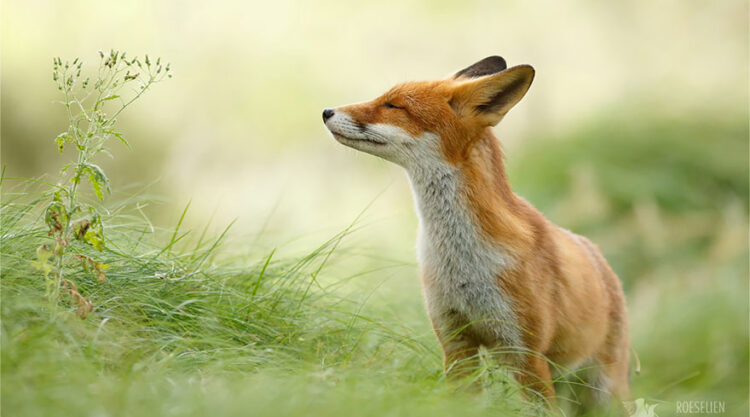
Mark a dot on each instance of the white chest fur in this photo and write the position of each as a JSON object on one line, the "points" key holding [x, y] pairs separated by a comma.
{"points": [[462, 266]]}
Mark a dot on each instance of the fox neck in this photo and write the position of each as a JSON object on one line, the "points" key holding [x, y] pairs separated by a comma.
{"points": [[459, 257], [473, 193]]}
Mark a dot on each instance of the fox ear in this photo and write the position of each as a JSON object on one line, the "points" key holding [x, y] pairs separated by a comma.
{"points": [[490, 97], [490, 65]]}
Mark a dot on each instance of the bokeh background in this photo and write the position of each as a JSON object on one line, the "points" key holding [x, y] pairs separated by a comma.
{"points": [[635, 132]]}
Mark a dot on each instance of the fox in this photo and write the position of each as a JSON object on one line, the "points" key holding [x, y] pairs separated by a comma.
{"points": [[495, 273]]}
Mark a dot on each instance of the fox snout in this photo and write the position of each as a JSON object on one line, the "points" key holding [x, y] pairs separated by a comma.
{"points": [[349, 130], [327, 114]]}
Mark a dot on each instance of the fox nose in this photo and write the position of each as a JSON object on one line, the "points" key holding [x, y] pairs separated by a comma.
{"points": [[327, 114]]}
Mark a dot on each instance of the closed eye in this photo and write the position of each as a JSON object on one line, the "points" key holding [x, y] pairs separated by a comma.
{"points": [[392, 106]]}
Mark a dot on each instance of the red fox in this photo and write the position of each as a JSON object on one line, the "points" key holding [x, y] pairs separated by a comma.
{"points": [[495, 272]]}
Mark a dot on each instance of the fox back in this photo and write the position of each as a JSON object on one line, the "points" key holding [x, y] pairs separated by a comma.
{"points": [[495, 272]]}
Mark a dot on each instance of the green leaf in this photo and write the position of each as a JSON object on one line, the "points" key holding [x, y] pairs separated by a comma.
{"points": [[61, 139], [99, 181], [118, 135], [94, 239], [112, 97]]}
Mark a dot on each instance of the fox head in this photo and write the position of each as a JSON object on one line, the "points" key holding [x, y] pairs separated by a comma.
{"points": [[419, 123]]}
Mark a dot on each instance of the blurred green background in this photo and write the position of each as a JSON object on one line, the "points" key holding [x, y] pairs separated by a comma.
{"points": [[635, 133]]}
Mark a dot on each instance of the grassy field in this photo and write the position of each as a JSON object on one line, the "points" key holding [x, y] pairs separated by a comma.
{"points": [[181, 331], [187, 324]]}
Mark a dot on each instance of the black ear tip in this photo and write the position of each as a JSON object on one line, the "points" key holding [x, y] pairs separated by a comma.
{"points": [[496, 60], [490, 65]]}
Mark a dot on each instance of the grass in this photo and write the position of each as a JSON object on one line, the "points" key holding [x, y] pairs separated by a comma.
{"points": [[188, 328]]}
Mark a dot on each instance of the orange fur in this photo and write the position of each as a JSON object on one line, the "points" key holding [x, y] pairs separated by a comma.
{"points": [[567, 300]]}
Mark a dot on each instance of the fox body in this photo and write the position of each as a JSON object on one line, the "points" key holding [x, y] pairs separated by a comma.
{"points": [[495, 272]]}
